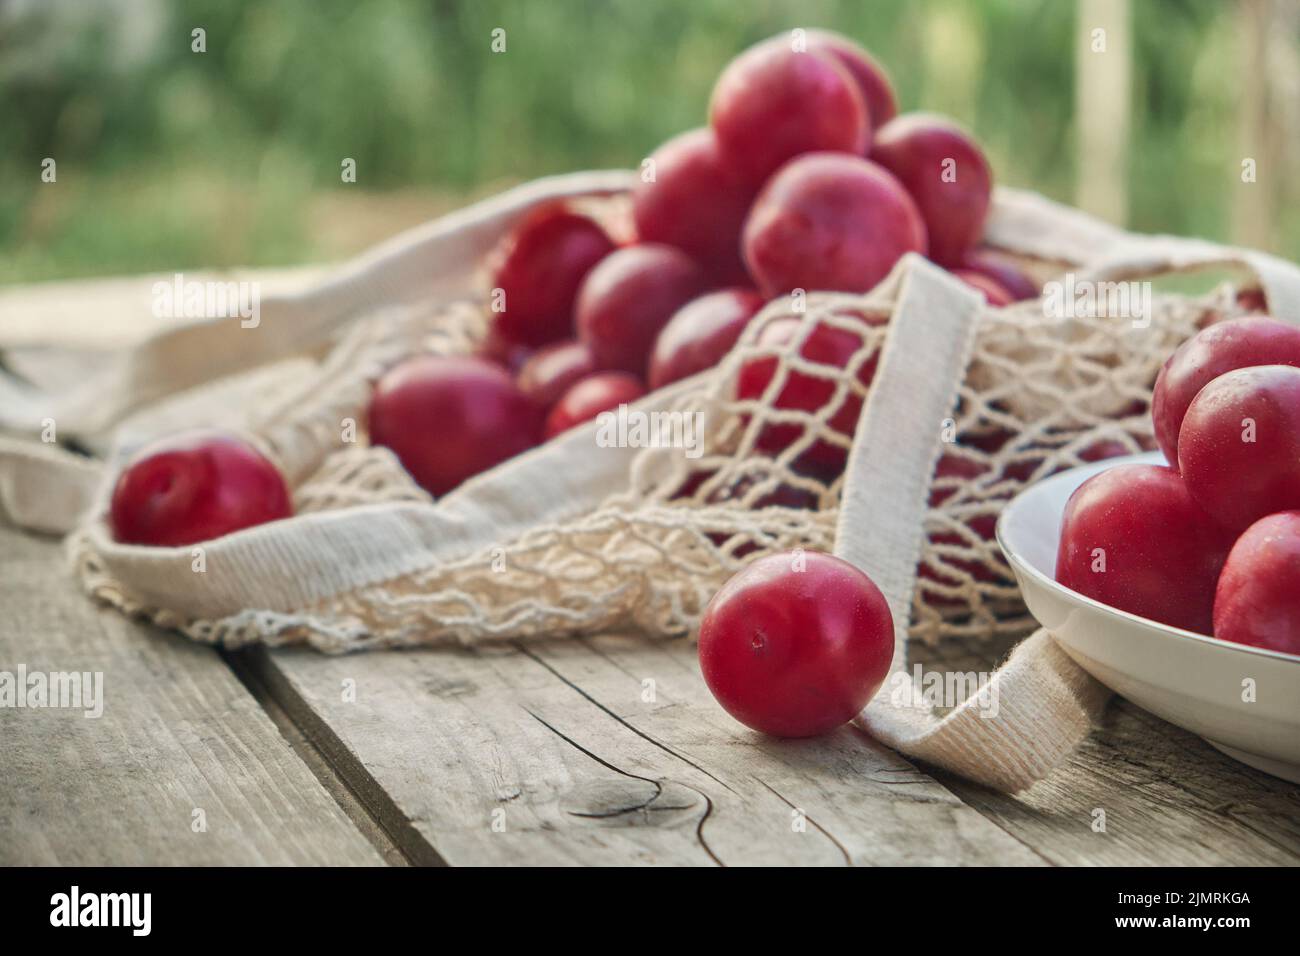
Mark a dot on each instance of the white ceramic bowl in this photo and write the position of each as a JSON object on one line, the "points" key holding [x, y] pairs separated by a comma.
{"points": [[1193, 681]]}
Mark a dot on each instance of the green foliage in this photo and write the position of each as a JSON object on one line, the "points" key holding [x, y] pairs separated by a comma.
{"points": [[173, 159]]}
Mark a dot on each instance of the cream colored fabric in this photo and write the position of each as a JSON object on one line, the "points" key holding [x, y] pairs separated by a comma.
{"points": [[42, 487], [576, 538], [1038, 707]]}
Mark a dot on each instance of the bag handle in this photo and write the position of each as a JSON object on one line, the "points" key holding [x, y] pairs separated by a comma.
{"points": [[1029, 224], [1138, 256], [1045, 703], [44, 488], [435, 261]]}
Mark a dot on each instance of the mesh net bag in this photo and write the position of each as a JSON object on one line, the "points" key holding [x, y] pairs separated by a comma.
{"points": [[957, 407], [1040, 396]]}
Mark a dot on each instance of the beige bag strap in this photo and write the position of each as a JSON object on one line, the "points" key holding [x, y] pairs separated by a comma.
{"points": [[44, 488], [1032, 225], [1140, 256], [1040, 704], [437, 261], [290, 565]]}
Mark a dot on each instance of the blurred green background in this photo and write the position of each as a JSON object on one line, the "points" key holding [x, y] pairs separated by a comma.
{"points": [[170, 159]]}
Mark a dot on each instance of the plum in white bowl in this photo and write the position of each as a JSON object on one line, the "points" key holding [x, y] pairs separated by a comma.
{"points": [[1243, 700]]}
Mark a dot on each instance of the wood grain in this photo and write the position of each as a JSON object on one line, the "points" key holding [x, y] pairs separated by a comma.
{"points": [[565, 748], [178, 734]]}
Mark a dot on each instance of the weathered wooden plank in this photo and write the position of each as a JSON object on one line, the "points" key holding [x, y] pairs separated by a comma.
{"points": [[178, 734], [607, 750], [1168, 797]]}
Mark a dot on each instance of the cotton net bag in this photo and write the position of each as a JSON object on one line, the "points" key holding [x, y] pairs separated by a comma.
{"points": [[962, 405]]}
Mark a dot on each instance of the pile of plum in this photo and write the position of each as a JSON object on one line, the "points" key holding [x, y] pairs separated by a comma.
{"points": [[1211, 542], [804, 179]]}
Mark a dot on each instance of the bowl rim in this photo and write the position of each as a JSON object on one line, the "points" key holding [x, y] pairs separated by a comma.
{"points": [[1023, 567]]}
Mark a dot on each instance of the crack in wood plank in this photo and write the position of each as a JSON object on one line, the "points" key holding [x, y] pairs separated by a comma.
{"points": [[640, 733], [848, 859], [659, 789]]}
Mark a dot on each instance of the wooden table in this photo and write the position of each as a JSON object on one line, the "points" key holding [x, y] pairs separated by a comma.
{"points": [[598, 751]]}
